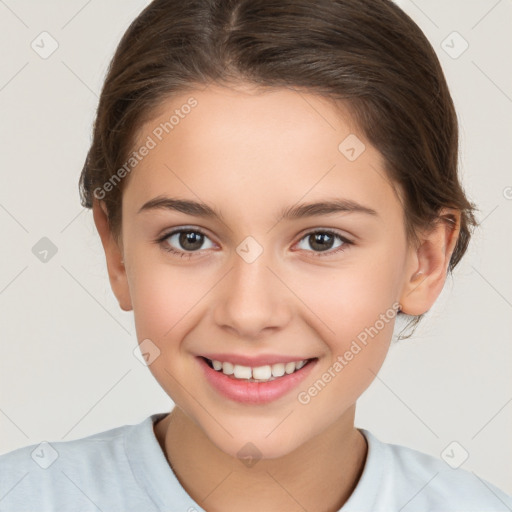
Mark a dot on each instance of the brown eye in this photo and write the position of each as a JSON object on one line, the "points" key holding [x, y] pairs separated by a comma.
{"points": [[184, 241], [190, 240], [324, 241], [321, 241]]}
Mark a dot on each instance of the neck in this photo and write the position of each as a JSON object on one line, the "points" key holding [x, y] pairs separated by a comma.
{"points": [[319, 475]]}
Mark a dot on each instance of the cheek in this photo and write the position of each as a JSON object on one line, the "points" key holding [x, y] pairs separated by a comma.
{"points": [[160, 305], [355, 312], [357, 350], [348, 300], [162, 295], [166, 302]]}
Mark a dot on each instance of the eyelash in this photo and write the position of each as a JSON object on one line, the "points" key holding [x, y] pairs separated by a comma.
{"points": [[161, 241]]}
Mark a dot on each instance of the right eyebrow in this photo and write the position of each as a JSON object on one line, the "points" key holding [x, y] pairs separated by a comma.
{"points": [[189, 207]]}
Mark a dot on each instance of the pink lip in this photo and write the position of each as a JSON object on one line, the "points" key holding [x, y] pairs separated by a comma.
{"points": [[254, 392], [254, 362]]}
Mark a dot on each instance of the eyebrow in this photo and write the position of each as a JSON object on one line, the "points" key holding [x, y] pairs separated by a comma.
{"points": [[199, 209]]}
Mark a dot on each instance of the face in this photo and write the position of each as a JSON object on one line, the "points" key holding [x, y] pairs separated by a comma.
{"points": [[251, 285]]}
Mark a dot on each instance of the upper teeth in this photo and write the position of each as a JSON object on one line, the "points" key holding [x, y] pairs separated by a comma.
{"points": [[267, 372]]}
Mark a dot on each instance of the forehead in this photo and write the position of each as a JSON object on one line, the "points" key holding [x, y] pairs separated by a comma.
{"points": [[253, 147]]}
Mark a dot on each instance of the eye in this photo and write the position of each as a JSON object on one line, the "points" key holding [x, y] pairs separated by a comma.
{"points": [[184, 242], [322, 242], [187, 241]]}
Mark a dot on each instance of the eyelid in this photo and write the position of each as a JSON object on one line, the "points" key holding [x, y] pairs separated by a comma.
{"points": [[334, 231], [178, 229]]}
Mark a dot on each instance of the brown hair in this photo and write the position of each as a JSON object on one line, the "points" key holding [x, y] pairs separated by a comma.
{"points": [[368, 53]]}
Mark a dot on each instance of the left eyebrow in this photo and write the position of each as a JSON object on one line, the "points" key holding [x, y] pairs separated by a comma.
{"points": [[317, 209], [326, 208]]}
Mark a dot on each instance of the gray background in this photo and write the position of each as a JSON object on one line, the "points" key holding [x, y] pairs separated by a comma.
{"points": [[67, 363]]}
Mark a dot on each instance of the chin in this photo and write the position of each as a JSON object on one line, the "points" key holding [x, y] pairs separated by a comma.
{"points": [[247, 445]]}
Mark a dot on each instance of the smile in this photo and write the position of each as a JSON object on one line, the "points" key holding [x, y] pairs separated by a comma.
{"points": [[264, 373], [255, 383]]}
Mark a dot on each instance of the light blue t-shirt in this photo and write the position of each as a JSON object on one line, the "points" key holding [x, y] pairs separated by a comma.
{"points": [[124, 469]]}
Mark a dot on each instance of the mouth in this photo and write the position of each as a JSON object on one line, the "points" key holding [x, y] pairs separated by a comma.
{"points": [[265, 373], [255, 384]]}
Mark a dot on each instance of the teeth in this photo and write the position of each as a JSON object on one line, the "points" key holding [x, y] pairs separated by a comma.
{"points": [[260, 373], [242, 372], [289, 368], [227, 368], [299, 365], [278, 370]]}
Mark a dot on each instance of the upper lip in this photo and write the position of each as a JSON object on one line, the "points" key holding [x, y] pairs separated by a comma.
{"points": [[255, 361]]}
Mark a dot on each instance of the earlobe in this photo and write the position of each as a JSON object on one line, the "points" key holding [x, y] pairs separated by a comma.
{"points": [[113, 255], [429, 261]]}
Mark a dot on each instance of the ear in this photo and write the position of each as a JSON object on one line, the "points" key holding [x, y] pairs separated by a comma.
{"points": [[428, 264], [114, 256]]}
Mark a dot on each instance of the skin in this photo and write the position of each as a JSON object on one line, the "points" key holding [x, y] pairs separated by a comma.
{"points": [[249, 154]]}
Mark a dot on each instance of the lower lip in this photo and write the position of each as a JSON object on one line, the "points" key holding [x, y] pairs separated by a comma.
{"points": [[247, 392]]}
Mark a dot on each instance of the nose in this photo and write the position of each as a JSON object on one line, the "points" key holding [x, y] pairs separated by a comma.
{"points": [[252, 300]]}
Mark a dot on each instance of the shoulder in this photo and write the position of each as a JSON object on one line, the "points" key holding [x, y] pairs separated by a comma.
{"points": [[446, 484], [48, 475], [414, 481], [49, 454]]}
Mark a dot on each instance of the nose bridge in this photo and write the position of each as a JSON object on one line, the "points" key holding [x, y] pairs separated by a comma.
{"points": [[252, 298]]}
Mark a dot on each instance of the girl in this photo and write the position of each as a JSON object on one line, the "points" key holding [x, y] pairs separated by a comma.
{"points": [[273, 183]]}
